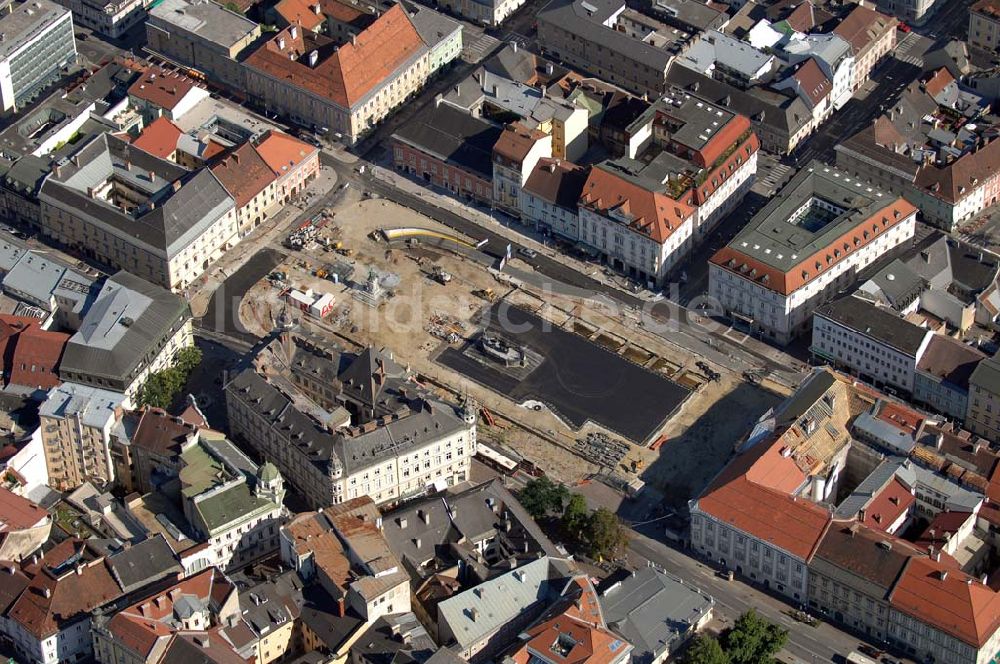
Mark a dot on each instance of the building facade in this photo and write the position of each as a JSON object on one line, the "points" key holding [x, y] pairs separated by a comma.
{"points": [[376, 445], [77, 424], [773, 274], [112, 19], [984, 24], [204, 36], [39, 43], [983, 415], [869, 341], [335, 93]]}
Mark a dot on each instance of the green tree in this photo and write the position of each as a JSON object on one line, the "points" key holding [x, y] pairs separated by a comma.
{"points": [[542, 496], [161, 387], [605, 535], [235, 8], [754, 640], [705, 650], [187, 359], [575, 518]]}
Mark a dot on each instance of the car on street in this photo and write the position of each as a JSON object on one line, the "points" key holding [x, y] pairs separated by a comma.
{"points": [[904, 28], [871, 651], [527, 253]]}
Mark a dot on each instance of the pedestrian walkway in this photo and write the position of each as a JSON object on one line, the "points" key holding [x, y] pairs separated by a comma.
{"points": [[477, 47]]}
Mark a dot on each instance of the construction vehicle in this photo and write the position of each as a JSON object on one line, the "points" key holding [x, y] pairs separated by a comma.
{"points": [[322, 273], [439, 275], [343, 251], [486, 293]]}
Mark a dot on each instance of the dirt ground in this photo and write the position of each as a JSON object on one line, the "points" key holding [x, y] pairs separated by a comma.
{"points": [[416, 321]]}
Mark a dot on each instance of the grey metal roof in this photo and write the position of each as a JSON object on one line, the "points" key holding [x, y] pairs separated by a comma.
{"points": [[179, 206], [987, 375], [124, 329], [957, 498], [432, 26], [716, 48], [787, 114], [479, 612], [144, 563], [897, 282], [883, 433], [878, 323], [652, 610], [470, 517], [772, 239], [454, 137], [30, 276], [93, 406], [210, 21], [587, 19]]}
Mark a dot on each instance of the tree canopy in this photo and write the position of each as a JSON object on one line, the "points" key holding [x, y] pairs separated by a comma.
{"points": [[161, 387], [752, 640], [541, 497]]}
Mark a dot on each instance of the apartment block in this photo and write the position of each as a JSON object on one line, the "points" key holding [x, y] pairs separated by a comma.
{"points": [[39, 43], [77, 424]]}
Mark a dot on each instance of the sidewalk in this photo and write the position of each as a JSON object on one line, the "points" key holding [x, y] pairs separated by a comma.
{"points": [[200, 293], [511, 230]]}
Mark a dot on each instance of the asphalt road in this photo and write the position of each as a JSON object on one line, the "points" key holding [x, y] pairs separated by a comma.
{"points": [[671, 321], [823, 643], [891, 78]]}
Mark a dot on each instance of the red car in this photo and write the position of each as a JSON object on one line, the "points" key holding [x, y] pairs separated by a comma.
{"points": [[904, 27]]}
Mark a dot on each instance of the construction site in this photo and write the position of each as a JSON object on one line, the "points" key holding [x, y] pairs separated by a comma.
{"points": [[588, 373]]}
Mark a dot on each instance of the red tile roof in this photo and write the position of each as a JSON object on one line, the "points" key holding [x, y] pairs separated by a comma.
{"points": [[937, 81], [50, 602], [300, 12], [801, 18], [987, 7], [651, 213], [813, 82], [161, 88], [516, 141], [752, 493], [161, 433], [159, 138], [961, 177], [798, 275], [354, 69], [891, 502], [283, 153], [863, 26], [29, 355], [244, 173], [17, 513], [952, 601], [140, 626]]}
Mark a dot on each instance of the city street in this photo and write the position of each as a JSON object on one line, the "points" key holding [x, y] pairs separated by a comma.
{"points": [[823, 643]]}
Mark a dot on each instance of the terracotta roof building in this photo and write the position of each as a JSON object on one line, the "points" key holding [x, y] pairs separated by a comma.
{"points": [[802, 247], [871, 34], [54, 610], [24, 526], [161, 93], [340, 88], [159, 138], [250, 180], [29, 355], [295, 163]]}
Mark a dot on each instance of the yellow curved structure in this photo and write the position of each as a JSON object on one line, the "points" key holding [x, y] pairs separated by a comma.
{"points": [[407, 233]]}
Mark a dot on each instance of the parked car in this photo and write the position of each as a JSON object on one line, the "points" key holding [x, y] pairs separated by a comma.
{"points": [[527, 253], [871, 651], [903, 27]]}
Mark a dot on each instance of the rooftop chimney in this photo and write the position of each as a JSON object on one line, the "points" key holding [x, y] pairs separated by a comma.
{"points": [[317, 9], [313, 57], [294, 32]]}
